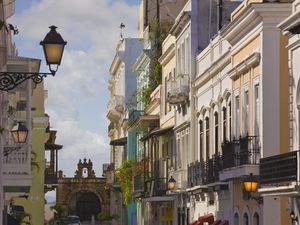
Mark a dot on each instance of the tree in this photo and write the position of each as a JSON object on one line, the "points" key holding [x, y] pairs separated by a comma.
{"points": [[59, 214]]}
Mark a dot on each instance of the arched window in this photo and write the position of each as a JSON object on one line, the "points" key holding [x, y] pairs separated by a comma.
{"points": [[245, 219], [224, 123], [216, 132], [207, 137], [236, 219], [201, 140], [256, 219]]}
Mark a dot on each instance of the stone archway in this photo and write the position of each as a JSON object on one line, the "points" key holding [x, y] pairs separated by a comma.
{"points": [[87, 204], [84, 194]]}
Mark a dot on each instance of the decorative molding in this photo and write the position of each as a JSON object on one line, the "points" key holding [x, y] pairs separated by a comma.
{"points": [[249, 62]]}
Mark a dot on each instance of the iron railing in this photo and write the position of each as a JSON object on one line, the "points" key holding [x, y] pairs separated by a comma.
{"points": [[202, 173], [178, 89], [243, 151], [117, 102], [138, 184], [134, 115], [156, 186]]}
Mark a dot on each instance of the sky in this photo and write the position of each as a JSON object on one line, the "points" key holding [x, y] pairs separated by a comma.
{"points": [[78, 94]]}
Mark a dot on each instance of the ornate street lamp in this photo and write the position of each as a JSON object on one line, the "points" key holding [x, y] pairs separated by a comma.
{"points": [[171, 183], [53, 46], [250, 186], [19, 133]]}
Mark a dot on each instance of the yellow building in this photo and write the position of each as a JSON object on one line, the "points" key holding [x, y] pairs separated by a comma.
{"points": [[259, 75], [34, 204]]}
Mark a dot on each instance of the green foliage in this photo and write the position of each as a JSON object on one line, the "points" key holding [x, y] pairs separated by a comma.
{"points": [[157, 74], [23, 218], [157, 33], [34, 163], [59, 214], [1, 130], [146, 92], [125, 174], [103, 216]]}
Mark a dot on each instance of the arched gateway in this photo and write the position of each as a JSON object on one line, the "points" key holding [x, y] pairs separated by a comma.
{"points": [[84, 194]]}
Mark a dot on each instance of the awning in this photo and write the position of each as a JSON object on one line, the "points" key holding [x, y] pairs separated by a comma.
{"points": [[195, 222], [119, 142], [157, 132], [224, 222], [209, 218], [50, 146], [217, 222]]}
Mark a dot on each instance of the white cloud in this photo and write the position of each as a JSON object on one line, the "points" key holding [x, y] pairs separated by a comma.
{"points": [[79, 89]]}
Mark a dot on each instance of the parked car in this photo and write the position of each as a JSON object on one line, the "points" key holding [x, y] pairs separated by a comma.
{"points": [[72, 220]]}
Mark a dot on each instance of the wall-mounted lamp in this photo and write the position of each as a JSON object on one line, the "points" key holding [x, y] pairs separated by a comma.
{"points": [[19, 133], [53, 46], [294, 218], [250, 185], [171, 183]]}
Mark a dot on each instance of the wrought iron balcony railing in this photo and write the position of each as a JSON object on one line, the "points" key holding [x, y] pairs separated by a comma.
{"points": [[243, 151], [202, 173], [178, 89], [117, 103], [156, 186], [138, 183], [134, 115]]}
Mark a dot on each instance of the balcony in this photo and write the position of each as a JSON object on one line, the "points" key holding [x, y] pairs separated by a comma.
{"points": [[138, 186], [16, 169], [156, 187], [139, 120], [116, 107], [204, 173], [240, 157], [178, 89]]}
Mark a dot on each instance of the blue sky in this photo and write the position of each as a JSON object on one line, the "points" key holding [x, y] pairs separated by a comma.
{"points": [[78, 94]]}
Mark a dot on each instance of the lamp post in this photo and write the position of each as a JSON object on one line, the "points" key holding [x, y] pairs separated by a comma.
{"points": [[250, 185], [53, 46], [19, 133], [171, 183]]}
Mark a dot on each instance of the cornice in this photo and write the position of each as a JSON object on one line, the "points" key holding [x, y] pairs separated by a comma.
{"points": [[253, 15], [167, 55], [180, 23], [115, 64], [213, 69], [250, 61], [290, 22]]}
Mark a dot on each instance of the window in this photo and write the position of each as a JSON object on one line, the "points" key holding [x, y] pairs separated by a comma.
{"points": [[224, 123], [201, 140], [182, 58], [256, 110], [216, 133], [178, 153], [207, 137], [237, 116], [246, 112], [256, 219], [236, 219], [245, 219]]}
